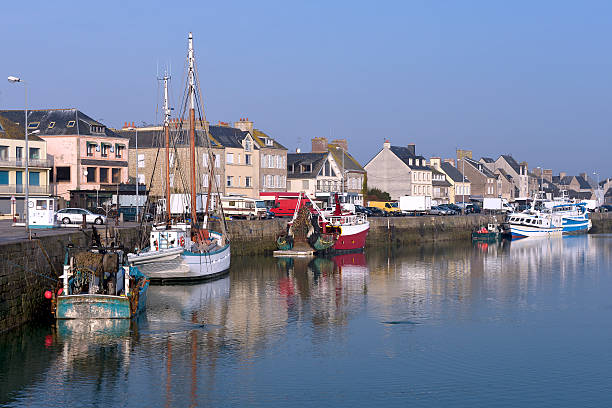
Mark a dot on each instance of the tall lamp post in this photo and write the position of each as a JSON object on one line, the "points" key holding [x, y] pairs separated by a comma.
{"points": [[343, 171], [13, 79], [137, 182]]}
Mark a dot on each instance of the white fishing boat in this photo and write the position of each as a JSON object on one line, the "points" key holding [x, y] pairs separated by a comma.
{"points": [[166, 242], [534, 223]]}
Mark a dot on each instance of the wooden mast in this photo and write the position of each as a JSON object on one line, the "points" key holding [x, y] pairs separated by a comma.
{"points": [[192, 131], [167, 134]]}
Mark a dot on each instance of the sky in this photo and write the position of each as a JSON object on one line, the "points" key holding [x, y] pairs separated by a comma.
{"points": [[527, 78]]}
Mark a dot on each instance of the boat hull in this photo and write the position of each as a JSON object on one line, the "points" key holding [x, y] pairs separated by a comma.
{"points": [[577, 225], [97, 307], [522, 231], [191, 267], [352, 238]]}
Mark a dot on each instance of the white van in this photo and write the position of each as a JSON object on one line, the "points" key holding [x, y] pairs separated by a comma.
{"points": [[243, 207]]}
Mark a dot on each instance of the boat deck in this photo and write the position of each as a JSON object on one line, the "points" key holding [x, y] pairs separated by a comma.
{"points": [[294, 253]]}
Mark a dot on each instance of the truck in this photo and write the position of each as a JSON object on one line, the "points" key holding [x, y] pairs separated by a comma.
{"points": [[243, 207], [415, 204], [389, 207], [496, 205]]}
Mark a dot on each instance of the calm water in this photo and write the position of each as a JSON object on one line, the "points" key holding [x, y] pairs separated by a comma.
{"points": [[528, 323]]}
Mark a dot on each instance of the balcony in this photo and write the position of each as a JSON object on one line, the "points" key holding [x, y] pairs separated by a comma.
{"points": [[20, 189], [20, 162]]}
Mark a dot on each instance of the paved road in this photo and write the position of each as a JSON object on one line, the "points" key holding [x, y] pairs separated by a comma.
{"points": [[8, 233]]}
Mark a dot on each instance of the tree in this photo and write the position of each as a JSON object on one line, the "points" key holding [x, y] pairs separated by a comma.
{"points": [[375, 194]]}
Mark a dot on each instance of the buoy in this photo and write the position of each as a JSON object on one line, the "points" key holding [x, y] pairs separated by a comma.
{"points": [[60, 291], [48, 294]]}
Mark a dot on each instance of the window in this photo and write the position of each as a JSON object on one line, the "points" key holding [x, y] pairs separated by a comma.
{"points": [[171, 160], [34, 153], [277, 161], [141, 178], [116, 175], [4, 177], [62, 174], [41, 204], [217, 160], [19, 153], [217, 180], [119, 151], [90, 148], [263, 160], [91, 174], [70, 123], [34, 178], [248, 145], [306, 168], [247, 159], [105, 149], [230, 181], [229, 158], [205, 160], [205, 180], [51, 125], [171, 180], [269, 142], [277, 181], [103, 175], [33, 125], [4, 152], [141, 160], [305, 184], [248, 182]]}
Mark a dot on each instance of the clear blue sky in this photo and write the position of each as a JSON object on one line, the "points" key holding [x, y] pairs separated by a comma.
{"points": [[530, 78]]}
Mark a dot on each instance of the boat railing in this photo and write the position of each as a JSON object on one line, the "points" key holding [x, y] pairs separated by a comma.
{"points": [[352, 219]]}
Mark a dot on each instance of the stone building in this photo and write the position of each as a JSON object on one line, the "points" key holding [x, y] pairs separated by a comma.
{"points": [[316, 174], [483, 182], [460, 190], [399, 171], [85, 153]]}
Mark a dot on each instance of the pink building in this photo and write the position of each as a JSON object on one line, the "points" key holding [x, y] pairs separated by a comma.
{"points": [[85, 154]]}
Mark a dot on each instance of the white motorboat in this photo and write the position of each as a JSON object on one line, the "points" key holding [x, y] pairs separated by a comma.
{"points": [[535, 224]]}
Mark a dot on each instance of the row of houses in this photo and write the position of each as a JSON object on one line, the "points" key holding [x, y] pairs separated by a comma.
{"points": [[81, 161]]}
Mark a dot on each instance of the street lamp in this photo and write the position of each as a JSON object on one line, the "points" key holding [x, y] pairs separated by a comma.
{"points": [[343, 171], [13, 79]]}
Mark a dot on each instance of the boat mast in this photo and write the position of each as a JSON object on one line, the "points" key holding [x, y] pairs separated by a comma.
{"points": [[167, 134], [192, 129]]}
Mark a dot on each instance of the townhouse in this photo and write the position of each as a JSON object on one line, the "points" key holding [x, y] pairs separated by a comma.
{"points": [[12, 167], [317, 174], [483, 182], [399, 171]]}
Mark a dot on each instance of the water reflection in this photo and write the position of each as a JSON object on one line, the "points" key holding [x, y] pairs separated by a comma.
{"points": [[279, 326]]}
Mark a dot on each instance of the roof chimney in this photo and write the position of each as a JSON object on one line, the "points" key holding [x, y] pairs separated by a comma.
{"points": [[387, 144], [319, 145], [125, 125], [342, 143], [244, 124], [411, 148]]}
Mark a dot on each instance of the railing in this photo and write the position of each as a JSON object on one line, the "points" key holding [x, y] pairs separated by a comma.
{"points": [[17, 162], [20, 189], [347, 219]]}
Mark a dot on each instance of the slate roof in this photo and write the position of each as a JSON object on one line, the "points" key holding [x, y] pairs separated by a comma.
{"points": [[556, 179], [316, 161], [452, 172], [608, 193], [566, 180], [55, 122], [510, 160], [505, 174], [11, 130], [579, 195], [220, 136], [583, 183], [487, 160], [440, 183], [258, 136], [480, 167], [405, 155]]}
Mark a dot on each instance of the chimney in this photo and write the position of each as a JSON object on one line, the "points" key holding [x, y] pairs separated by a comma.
{"points": [[125, 125], [411, 148], [387, 144], [245, 125], [583, 175], [450, 161], [342, 143], [435, 162], [319, 145], [562, 174], [133, 124]]}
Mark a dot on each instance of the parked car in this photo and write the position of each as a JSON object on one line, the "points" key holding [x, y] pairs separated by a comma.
{"points": [[605, 208], [129, 214], [360, 209], [269, 214], [450, 210], [75, 216], [472, 209], [377, 212], [440, 210]]}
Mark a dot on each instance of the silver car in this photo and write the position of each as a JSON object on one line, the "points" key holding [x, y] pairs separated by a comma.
{"points": [[75, 216]]}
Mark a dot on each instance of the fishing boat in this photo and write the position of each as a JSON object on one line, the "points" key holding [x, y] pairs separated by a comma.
{"points": [[98, 284], [492, 232], [533, 223], [206, 253], [575, 217]]}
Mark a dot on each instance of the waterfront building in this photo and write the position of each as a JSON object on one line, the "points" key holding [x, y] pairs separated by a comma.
{"points": [[399, 171], [317, 174], [441, 187], [483, 182], [12, 167], [460, 190], [352, 173], [85, 154], [513, 172], [272, 158]]}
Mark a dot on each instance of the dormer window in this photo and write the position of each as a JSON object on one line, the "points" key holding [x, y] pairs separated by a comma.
{"points": [[97, 129], [33, 125], [306, 168], [70, 123], [51, 125], [119, 148], [410, 162], [248, 145], [269, 142]]}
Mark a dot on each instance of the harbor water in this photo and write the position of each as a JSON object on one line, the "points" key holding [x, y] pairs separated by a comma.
{"points": [[525, 323]]}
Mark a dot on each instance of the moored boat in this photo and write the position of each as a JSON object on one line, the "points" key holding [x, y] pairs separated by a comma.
{"points": [[97, 284], [535, 224]]}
